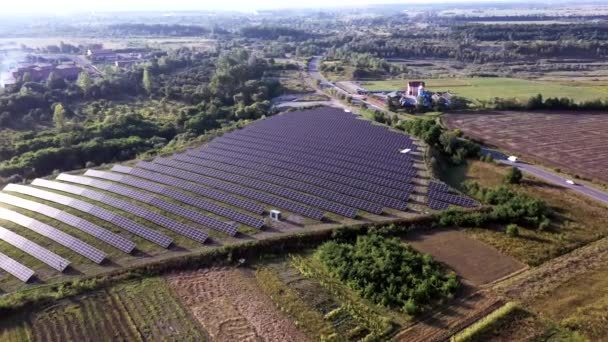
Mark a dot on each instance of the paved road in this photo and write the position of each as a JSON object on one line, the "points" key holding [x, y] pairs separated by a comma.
{"points": [[536, 171], [313, 70]]}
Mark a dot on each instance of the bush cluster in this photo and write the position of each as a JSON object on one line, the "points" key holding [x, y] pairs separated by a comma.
{"points": [[388, 272], [508, 207]]}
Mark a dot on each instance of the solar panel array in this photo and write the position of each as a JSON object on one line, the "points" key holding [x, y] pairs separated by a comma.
{"points": [[92, 229], [34, 249], [13, 267], [122, 222], [285, 182], [229, 187], [439, 197], [303, 171], [304, 178], [54, 234], [210, 222], [141, 196], [131, 208]]}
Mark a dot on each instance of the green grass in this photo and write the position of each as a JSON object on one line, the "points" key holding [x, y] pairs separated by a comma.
{"points": [[472, 332], [488, 88]]}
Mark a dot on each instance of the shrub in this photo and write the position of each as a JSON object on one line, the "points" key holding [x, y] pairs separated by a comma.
{"points": [[514, 176], [513, 230], [388, 272]]}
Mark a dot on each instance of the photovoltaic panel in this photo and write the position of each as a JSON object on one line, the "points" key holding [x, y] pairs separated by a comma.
{"points": [[266, 187], [54, 234], [352, 174], [141, 196], [453, 199], [228, 187], [15, 268], [310, 159], [154, 217], [305, 171], [292, 147], [437, 205], [92, 229], [285, 182], [439, 187], [320, 182], [128, 225], [210, 222], [34, 249]]}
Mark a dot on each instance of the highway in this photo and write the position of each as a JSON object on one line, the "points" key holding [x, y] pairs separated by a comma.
{"points": [[541, 173]]}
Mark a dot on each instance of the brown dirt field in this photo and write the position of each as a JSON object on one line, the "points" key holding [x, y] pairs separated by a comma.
{"points": [[230, 306], [473, 260], [575, 142]]}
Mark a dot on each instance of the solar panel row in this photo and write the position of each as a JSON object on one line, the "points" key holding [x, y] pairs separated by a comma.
{"points": [[133, 227], [266, 187], [34, 249], [341, 188], [285, 182], [439, 187], [229, 187], [304, 171], [437, 205], [144, 197], [453, 199], [212, 223], [102, 234], [131, 208], [13, 267], [54, 234]]}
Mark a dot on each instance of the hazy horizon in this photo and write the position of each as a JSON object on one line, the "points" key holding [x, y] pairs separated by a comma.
{"points": [[70, 6]]}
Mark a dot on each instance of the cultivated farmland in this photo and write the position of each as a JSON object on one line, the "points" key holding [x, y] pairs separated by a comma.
{"points": [[573, 142]]}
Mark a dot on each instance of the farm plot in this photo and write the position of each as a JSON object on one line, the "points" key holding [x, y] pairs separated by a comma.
{"points": [[141, 311], [575, 142], [231, 307], [473, 260]]}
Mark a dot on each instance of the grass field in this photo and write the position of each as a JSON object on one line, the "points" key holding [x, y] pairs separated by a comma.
{"points": [[578, 219], [487, 88]]}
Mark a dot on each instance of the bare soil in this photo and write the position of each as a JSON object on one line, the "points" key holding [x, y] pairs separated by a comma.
{"points": [[230, 306], [473, 260], [572, 141]]}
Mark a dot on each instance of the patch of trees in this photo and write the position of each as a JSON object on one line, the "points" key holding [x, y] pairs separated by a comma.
{"points": [[449, 143], [531, 32], [274, 32], [537, 102], [388, 272], [508, 207], [164, 30]]}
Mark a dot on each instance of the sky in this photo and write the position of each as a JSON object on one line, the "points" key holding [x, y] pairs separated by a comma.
{"points": [[63, 6]]}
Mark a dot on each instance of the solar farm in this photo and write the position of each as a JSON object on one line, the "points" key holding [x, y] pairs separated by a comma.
{"points": [[573, 142], [319, 168]]}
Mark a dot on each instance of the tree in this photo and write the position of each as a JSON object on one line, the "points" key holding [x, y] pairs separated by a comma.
{"points": [[59, 117], [147, 81], [514, 176], [84, 82]]}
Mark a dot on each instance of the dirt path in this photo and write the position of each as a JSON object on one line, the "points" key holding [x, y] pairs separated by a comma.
{"points": [[230, 306]]}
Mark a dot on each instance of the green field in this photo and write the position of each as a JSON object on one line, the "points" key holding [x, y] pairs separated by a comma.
{"points": [[487, 88]]}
